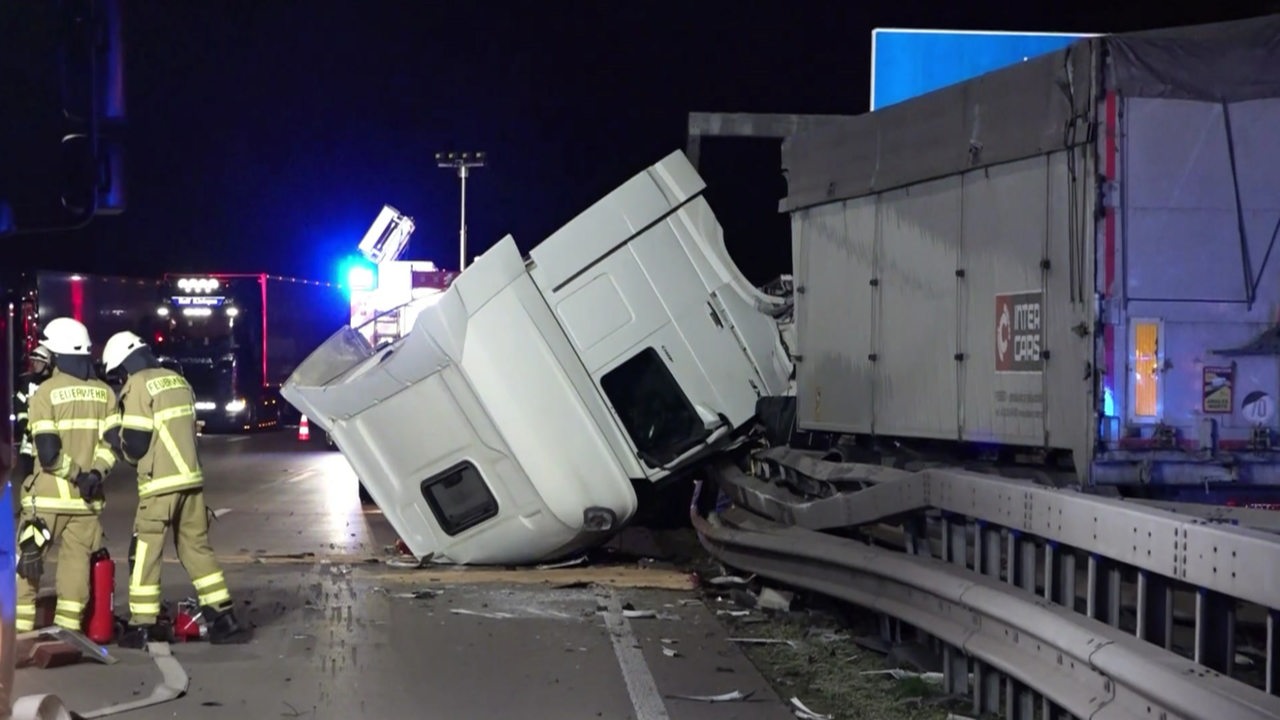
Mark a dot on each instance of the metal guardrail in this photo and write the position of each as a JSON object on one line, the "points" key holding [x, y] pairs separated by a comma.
{"points": [[1002, 594]]}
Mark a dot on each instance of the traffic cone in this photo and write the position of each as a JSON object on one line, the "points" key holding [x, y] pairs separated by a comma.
{"points": [[304, 429]]}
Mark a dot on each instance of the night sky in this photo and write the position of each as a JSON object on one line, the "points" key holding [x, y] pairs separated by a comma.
{"points": [[266, 135]]}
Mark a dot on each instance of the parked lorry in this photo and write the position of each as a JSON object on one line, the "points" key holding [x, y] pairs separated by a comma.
{"points": [[237, 337], [1069, 264], [106, 304], [517, 419]]}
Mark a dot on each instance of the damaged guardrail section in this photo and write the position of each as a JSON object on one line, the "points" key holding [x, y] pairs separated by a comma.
{"points": [[1146, 626]]}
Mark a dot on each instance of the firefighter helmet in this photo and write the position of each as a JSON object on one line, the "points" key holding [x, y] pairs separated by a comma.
{"points": [[119, 347], [65, 336]]}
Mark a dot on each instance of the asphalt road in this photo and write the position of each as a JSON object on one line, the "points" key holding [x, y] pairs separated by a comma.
{"points": [[335, 638]]}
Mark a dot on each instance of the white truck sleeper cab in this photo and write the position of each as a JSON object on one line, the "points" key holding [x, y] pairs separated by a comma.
{"points": [[509, 424]]}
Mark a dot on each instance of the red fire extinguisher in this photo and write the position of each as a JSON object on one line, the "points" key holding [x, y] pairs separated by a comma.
{"points": [[99, 622]]}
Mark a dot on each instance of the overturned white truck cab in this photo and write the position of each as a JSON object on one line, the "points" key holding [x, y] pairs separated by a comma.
{"points": [[509, 425]]}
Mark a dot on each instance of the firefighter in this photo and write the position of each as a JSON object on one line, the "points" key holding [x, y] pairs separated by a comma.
{"points": [[158, 434], [39, 367], [69, 415]]}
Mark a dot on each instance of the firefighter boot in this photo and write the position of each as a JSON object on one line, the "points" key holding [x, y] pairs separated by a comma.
{"points": [[137, 636], [224, 627]]}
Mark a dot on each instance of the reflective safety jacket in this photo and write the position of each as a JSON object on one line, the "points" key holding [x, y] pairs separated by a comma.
{"points": [[22, 426], [69, 419], [158, 431]]}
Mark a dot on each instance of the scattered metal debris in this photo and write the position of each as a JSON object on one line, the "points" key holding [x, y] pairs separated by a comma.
{"points": [[670, 652], [580, 560], [901, 674], [492, 615], [764, 641], [220, 512], [424, 594], [735, 696], [634, 614], [770, 599], [805, 713], [727, 580]]}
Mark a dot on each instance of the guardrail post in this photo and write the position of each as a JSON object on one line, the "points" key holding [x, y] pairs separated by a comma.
{"points": [[958, 546], [1273, 647], [1067, 578], [1027, 559], [1155, 609], [1103, 600], [955, 671], [1215, 631], [1011, 558]]}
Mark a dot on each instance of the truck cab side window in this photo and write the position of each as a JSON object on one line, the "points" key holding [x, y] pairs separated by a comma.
{"points": [[459, 498], [656, 413]]}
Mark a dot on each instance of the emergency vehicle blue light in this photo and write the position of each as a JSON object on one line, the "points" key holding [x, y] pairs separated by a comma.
{"points": [[360, 275]]}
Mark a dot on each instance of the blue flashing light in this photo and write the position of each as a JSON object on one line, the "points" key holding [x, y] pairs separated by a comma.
{"points": [[1108, 403], [359, 275]]}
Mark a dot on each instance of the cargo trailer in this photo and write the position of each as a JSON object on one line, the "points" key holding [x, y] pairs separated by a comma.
{"points": [[1071, 261], [237, 337]]}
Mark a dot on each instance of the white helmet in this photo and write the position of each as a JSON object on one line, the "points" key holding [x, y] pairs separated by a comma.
{"points": [[119, 347], [65, 336]]}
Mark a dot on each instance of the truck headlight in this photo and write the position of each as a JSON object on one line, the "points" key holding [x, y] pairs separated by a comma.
{"points": [[205, 405], [598, 519], [236, 406]]}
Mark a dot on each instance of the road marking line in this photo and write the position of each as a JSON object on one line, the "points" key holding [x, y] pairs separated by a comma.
{"points": [[641, 686], [302, 475]]}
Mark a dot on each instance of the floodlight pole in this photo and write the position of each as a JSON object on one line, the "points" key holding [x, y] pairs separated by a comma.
{"points": [[462, 163]]}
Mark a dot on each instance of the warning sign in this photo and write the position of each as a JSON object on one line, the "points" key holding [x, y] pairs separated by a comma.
{"points": [[1218, 389], [1019, 332]]}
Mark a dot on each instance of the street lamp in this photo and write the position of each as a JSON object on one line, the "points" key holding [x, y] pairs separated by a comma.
{"points": [[462, 162]]}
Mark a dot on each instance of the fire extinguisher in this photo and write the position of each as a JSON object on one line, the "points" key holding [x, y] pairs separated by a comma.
{"points": [[100, 621]]}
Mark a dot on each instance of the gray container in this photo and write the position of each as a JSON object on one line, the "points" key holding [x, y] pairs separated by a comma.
{"points": [[1073, 254]]}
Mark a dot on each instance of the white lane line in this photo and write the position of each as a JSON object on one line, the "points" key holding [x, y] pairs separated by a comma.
{"points": [[645, 697], [303, 475]]}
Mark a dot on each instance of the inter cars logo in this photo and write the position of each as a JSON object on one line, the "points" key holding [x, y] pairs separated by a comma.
{"points": [[1019, 332]]}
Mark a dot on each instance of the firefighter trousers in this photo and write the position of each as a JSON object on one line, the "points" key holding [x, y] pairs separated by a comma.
{"points": [[184, 513], [78, 537]]}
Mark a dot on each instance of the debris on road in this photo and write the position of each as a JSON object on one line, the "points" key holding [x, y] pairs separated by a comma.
{"points": [[805, 713], [477, 613], [727, 580], [48, 654], [82, 645], [735, 696], [580, 560], [901, 674], [424, 594], [764, 641]]}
